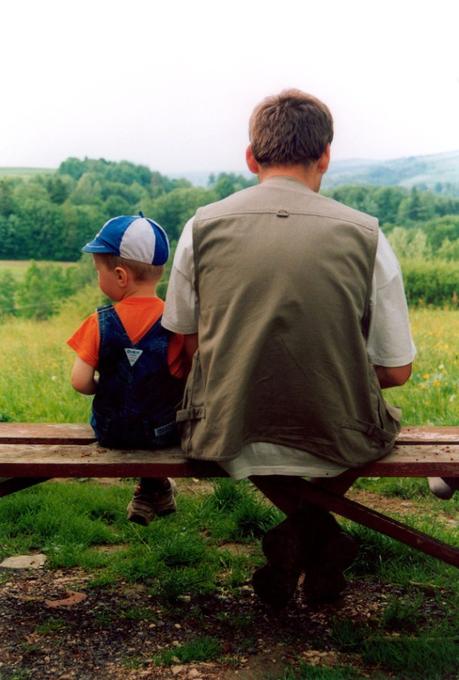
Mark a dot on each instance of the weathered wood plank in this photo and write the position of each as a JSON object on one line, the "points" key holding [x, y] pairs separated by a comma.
{"points": [[429, 435], [80, 433], [46, 433], [91, 460], [386, 525]]}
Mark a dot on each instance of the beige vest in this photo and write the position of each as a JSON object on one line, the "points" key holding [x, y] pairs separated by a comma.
{"points": [[283, 277]]}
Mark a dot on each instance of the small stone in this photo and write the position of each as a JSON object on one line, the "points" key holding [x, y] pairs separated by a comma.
{"points": [[194, 674], [24, 562], [184, 598], [175, 670], [177, 625]]}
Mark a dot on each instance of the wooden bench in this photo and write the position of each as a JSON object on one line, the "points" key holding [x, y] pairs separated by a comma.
{"points": [[33, 453]]}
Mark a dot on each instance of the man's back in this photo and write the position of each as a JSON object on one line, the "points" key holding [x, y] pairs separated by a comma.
{"points": [[284, 280]]}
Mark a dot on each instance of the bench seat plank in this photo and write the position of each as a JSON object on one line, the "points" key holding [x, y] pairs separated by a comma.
{"points": [[80, 433], [91, 460]]}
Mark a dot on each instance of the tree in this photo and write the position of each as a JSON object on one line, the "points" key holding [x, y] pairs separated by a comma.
{"points": [[225, 183], [410, 243], [172, 210], [8, 288]]}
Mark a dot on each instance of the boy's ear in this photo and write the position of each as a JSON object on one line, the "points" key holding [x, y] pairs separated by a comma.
{"points": [[122, 276]]}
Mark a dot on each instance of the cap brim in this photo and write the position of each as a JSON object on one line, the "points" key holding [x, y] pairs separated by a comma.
{"points": [[96, 247]]}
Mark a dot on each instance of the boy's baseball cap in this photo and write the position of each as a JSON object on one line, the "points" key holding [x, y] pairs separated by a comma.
{"points": [[133, 237]]}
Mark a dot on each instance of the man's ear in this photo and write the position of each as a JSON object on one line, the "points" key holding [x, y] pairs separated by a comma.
{"points": [[324, 160], [250, 160]]}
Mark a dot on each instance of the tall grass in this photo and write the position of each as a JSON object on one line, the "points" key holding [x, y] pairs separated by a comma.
{"points": [[432, 394], [35, 365]]}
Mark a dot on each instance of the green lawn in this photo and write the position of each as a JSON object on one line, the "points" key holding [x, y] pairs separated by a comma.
{"points": [[400, 619]]}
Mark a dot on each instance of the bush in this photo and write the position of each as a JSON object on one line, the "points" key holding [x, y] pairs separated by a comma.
{"points": [[431, 282]]}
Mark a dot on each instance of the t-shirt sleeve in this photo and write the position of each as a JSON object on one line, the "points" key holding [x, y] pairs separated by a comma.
{"points": [[176, 357], [86, 341], [181, 310], [389, 342]]}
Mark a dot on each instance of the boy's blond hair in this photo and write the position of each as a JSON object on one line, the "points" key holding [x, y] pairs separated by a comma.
{"points": [[290, 128], [142, 271]]}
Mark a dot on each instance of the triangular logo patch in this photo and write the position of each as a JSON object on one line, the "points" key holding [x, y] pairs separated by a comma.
{"points": [[133, 354]]}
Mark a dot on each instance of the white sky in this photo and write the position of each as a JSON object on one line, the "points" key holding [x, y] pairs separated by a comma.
{"points": [[171, 83]]}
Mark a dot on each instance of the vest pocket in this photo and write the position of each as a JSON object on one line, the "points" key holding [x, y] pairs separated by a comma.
{"points": [[193, 409]]}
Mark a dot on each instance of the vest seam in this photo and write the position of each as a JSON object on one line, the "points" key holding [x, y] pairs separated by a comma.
{"points": [[291, 212]]}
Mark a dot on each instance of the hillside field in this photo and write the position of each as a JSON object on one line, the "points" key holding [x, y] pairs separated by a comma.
{"points": [[34, 369], [18, 267]]}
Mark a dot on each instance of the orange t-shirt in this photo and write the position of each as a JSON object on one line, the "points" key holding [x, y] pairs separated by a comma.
{"points": [[137, 314]]}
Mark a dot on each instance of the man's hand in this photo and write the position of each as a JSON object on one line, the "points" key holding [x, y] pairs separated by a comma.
{"points": [[393, 376]]}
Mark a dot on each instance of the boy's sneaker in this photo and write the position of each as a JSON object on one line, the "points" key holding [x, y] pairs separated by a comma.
{"points": [[444, 487], [146, 503]]}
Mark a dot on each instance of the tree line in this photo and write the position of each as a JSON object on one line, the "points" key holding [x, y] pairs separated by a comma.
{"points": [[50, 216]]}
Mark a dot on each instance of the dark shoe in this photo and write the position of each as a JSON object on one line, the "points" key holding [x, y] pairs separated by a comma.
{"points": [[274, 586], [323, 584], [324, 581]]}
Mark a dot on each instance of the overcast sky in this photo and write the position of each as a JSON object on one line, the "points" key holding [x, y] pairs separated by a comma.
{"points": [[171, 83]]}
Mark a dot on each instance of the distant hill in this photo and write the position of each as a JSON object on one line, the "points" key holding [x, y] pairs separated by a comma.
{"points": [[437, 172], [24, 172], [434, 172]]}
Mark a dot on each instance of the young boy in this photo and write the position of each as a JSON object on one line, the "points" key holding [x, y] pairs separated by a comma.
{"points": [[140, 365]]}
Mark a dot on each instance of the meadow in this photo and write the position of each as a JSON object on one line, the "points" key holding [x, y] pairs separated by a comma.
{"points": [[34, 369], [193, 568]]}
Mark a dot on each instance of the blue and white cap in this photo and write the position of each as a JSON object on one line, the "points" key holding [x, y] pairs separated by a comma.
{"points": [[133, 237]]}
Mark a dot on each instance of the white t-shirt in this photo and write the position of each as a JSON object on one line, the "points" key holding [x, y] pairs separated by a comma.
{"points": [[389, 344]]}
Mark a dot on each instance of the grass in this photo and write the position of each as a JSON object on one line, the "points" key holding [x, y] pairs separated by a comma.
{"points": [[431, 396], [204, 648], [24, 173], [18, 268], [187, 556]]}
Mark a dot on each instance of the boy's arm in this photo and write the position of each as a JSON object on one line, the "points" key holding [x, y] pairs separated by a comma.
{"points": [[82, 377], [191, 345]]}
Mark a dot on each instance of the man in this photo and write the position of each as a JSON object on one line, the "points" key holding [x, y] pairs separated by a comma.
{"points": [[299, 308]]}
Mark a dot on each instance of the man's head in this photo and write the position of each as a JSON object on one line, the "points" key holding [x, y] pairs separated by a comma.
{"points": [[129, 248], [291, 128]]}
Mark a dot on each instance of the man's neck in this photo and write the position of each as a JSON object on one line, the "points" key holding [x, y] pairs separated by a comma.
{"points": [[307, 175]]}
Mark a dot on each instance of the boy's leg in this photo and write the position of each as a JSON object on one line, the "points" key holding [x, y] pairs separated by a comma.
{"points": [[152, 496]]}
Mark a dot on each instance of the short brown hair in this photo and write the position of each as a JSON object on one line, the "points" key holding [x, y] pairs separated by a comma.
{"points": [[290, 128], [142, 271]]}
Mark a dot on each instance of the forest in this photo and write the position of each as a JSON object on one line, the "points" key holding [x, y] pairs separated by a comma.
{"points": [[50, 215]]}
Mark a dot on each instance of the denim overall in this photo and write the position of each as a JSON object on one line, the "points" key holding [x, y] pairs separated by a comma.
{"points": [[136, 398]]}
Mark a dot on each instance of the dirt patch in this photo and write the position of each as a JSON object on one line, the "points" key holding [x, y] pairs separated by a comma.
{"points": [[117, 632]]}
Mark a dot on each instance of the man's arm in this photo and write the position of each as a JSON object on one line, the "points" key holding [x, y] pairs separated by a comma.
{"points": [[82, 377], [393, 376], [390, 346]]}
